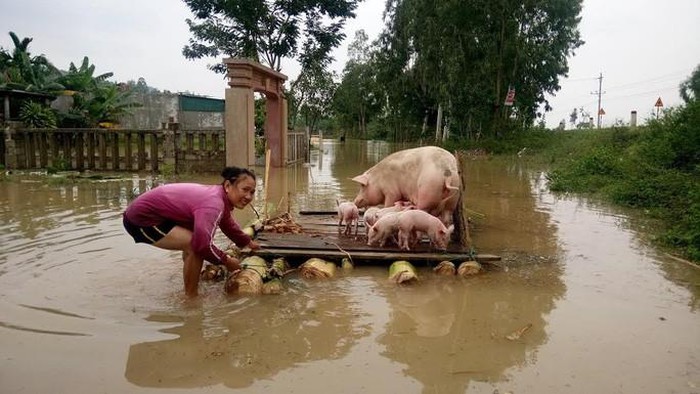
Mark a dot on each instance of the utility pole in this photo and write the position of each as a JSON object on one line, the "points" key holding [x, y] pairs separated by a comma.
{"points": [[600, 94]]}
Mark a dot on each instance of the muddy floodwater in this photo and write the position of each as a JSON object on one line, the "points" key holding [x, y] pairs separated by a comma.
{"points": [[581, 303]]}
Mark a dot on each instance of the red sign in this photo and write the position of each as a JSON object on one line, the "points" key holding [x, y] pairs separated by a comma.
{"points": [[510, 97], [659, 103]]}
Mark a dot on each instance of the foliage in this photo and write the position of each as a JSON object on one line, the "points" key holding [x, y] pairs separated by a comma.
{"points": [[358, 96], [266, 30], [21, 71], [82, 79], [140, 87], [690, 88], [93, 99], [37, 116], [458, 59], [655, 168]]}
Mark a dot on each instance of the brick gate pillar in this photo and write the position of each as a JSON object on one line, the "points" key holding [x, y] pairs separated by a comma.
{"points": [[245, 78]]}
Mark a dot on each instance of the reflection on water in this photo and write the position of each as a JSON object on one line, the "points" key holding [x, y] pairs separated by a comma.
{"points": [[250, 339], [452, 331], [70, 278]]}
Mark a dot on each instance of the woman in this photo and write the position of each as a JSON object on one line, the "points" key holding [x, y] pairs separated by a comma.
{"points": [[184, 216]]}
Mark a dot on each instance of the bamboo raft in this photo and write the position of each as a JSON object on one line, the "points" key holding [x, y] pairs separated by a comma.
{"points": [[319, 236]]}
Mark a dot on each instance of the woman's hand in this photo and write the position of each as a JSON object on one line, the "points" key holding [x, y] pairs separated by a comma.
{"points": [[232, 264], [253, 245]]}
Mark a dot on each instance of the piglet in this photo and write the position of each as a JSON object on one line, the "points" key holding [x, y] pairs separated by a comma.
{"points": [[373, 214], [398, 206], [348, 213], [384, 229], [412, 222], [370, 217]]}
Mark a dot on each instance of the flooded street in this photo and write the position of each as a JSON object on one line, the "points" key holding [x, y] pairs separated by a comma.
{"points": [[83, 309]]}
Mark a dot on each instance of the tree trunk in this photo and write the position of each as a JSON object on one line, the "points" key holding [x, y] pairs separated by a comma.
{"points": [[438, 127], [500, 49]]}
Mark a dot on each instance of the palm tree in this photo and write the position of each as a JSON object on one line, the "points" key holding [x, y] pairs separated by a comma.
{"points": [[82, 79], [20, 70]]}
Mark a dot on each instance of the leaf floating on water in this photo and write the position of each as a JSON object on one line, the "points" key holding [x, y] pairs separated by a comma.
{"points": [[515, 335]]}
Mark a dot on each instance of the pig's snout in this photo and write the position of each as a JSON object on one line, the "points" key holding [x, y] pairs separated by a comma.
{"points": [[359, 201]]}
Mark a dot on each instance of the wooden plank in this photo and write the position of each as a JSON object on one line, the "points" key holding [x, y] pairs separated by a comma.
{"points": [[321, 238], [141, 149], [102, 148], [388, 257], [115, 151], [79, 152], [128, 160], [91, 150], [154, 152]]}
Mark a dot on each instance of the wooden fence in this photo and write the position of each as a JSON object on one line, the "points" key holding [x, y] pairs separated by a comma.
{"points": [[125, 150]]}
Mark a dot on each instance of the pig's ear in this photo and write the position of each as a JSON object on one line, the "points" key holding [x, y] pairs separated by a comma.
{"points": [[451, 228], [361, 179]]}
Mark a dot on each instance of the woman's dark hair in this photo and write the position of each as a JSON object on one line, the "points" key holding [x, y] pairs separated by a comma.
{"points": [[232, 174]]}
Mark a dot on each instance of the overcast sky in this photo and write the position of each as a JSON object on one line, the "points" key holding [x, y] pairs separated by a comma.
{"points": [[643, 48]]}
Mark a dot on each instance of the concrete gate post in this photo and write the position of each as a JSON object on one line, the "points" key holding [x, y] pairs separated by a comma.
{"points": [[245, 78], [10, 149]]}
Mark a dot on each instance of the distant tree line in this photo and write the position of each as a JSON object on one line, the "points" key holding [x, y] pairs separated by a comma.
{"points": [[445, 66]]}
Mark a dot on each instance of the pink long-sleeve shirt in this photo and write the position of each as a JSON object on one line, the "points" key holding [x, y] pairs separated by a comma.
{"points": [[198, 208]]}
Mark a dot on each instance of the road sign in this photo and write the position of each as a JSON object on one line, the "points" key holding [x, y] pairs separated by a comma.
{"points": [[601, 112], [659, 103]]}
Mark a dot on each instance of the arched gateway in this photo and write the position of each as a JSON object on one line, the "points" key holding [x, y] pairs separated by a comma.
{"points": [[244, 78]]}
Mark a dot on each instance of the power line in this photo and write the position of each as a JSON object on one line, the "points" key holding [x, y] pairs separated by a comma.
{"points": [[653, 79]]}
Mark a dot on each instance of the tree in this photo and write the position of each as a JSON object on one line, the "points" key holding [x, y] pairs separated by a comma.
{"points": [[82, 79], [22, 71], [318, 98], [266, 31], [465, 54], [357, 97], [690, 88], [573, 117]]}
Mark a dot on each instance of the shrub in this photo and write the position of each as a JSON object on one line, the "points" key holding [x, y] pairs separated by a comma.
{"points": [[37, 116]]}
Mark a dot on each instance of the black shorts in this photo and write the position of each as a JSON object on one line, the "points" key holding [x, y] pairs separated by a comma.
{"points": [[149, 235]]}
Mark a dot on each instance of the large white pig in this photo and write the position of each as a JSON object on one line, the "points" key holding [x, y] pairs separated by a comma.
{"points": [[427, 177]]}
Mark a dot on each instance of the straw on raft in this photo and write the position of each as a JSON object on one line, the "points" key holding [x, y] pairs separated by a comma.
{"points": [[282, 224]]}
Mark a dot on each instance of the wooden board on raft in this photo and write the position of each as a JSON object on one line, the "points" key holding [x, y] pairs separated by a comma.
{"points": [[321, 238]]}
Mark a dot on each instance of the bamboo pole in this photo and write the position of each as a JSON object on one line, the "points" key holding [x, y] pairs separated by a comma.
{"points": [[461, 223], [267, 177]]}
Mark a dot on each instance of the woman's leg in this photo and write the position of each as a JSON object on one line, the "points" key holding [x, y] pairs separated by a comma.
{"points": [[180, 238]]}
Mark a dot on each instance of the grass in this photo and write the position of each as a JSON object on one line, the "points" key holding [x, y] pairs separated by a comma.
{"points": [[654, 169]]}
